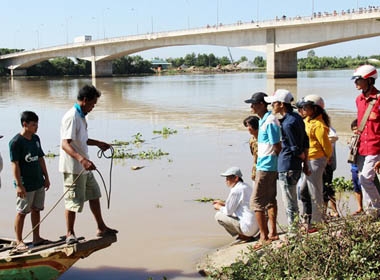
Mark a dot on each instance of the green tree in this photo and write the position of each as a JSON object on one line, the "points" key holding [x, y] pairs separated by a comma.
{"points": [[259, 61], [224, 60], [190, 59]]}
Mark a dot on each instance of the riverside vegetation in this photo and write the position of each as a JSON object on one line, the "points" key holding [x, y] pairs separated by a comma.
{"points": [[344, 248], [136, 65], [348, 248]]}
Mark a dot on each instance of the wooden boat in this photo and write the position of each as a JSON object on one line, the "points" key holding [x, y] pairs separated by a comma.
{"points": [[46, 261]]}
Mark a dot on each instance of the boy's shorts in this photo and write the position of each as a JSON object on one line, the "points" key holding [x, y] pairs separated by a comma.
{"points": [[85, 188], [33, 200]]}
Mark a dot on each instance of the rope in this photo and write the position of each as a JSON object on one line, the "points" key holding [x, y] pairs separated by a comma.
{"points": [[101, 154], [51, 209]]}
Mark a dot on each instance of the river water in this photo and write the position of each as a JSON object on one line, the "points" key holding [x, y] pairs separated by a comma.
{"points": [[163, 231]]}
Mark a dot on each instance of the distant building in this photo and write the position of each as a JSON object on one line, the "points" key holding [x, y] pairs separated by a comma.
{"points": [[160, 64]]}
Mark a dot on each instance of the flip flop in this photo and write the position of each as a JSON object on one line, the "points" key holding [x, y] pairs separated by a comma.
{"points": [[21, 247], [357, 212], [260, 244], [42, 242], [274, 238], [107, 232]]}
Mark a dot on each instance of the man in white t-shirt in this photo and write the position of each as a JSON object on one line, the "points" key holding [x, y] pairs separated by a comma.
{"points": [[234, 214], [79, 182]]}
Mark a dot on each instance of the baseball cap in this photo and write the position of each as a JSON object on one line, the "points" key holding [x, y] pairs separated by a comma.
{"points": [[257, 97], [313, 99], [280, 95], [232, 171]]}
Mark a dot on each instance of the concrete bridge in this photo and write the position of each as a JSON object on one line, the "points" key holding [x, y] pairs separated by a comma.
{"points": [[280, 39]]}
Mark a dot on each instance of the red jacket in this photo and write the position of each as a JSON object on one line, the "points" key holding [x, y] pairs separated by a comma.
{"points": [[369, 142]]}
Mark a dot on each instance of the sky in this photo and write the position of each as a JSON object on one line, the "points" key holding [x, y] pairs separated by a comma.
{"points": [[44, 23]]}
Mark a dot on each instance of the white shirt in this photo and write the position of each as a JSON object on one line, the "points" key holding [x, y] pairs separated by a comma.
{"points": [[237, 204], [73, 127]]}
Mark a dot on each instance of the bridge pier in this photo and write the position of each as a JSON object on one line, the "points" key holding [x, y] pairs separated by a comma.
{"points": [[18, 72], [101, 68], [279, 64]]}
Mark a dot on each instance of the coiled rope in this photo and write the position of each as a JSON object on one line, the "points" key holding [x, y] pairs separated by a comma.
{"points": [[101, 154]]}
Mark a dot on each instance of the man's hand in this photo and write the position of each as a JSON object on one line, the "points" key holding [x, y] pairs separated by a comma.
{"points": [[377, 167], [20, 191], [87, 164], [47, 184], [103, 146]]}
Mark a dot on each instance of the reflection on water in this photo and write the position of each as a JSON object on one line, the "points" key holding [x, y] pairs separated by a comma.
{"points": [[154, 207]]}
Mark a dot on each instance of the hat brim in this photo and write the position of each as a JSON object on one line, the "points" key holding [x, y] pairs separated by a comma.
{"points": [[271, 99]]}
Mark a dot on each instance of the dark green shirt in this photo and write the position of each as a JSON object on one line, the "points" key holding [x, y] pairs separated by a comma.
{"points": [[27, 153]]}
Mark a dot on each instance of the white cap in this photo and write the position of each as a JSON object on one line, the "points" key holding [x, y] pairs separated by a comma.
{"points": [[232, 171], [281, 95]]}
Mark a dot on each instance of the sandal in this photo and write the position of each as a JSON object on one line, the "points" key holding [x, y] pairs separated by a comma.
{"points": [[274, 238], [261, 243], [21, 247], [107, 232], [42, 242], [357, 212]]}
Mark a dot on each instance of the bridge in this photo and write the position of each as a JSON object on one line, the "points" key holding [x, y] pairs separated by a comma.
{"points": [[280, 39]]}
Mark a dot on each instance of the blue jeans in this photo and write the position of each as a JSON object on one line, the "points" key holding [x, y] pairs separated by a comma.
{"points": [[288, 182]]}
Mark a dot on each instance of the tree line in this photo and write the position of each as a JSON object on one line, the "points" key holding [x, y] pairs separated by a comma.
{"points": [[135, 65]]}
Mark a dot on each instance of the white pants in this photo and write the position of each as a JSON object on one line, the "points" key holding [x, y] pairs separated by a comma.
{"points": [[366, 176]]}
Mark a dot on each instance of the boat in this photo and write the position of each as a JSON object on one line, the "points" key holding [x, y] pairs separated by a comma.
{"points": [[49, 261]]}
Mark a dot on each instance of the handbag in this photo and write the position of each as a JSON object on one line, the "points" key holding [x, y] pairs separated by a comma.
{"points": [[354, 143], [353, 153]]}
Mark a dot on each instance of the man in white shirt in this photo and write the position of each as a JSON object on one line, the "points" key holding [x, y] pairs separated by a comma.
{"points": [[79, 182], [234, 214]]}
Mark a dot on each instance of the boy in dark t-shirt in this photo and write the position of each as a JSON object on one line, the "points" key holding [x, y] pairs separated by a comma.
{"points": [[30, 177]]}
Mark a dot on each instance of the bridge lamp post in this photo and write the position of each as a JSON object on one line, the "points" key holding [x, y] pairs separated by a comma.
{"points": [[104, 24], [38, 35], [67, 29], [133, 10], [217, 13]]}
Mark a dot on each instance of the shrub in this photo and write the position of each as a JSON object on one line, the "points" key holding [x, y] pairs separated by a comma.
{"points": [[346, 249]]}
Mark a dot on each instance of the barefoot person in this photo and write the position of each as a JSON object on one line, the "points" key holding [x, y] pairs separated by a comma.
{"points": [[263, 199], [234, 214], [294, 144], [31, 178], [74, 159]]}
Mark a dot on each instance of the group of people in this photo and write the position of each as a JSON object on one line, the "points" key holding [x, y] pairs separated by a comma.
{"points": [[297, 150], [31, 178]]}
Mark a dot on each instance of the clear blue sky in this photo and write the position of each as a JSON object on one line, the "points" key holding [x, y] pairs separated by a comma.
{"points": [[43, 23]]}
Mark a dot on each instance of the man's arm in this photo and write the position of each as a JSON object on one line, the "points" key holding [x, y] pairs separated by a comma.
{"points": [[87, 164], [41, 160], [20, 189], [102, 145]]}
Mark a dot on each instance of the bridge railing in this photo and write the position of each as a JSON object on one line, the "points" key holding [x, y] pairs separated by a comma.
{"points": [[317, 16]]}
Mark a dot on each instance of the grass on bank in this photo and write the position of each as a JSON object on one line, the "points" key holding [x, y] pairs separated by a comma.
{"points": [[348, 249]]}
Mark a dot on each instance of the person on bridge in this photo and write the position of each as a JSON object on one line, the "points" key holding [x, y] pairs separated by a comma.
{"points": [[74, 161], [263, 199], [369, 139]]}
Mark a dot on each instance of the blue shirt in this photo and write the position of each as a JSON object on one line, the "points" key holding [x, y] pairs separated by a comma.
{"points": [[294, 142], [269, 134]]}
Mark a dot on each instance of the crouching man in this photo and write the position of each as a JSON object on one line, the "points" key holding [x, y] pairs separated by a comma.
{"points": [[234, 214]]}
